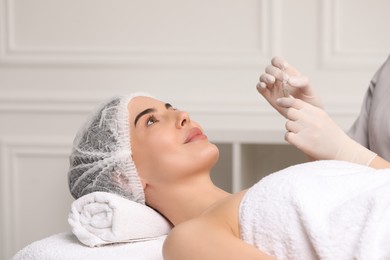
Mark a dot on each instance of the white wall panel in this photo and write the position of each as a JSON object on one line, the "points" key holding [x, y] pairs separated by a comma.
{"points": [[34, 189], [140, 33], [353, 33]]}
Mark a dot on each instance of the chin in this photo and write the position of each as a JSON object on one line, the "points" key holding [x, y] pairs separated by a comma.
{"points": [[201, 160], [211, 155]]}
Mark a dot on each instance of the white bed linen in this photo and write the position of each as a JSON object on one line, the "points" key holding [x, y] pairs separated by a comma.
{"points": [[65, 246], [320, 210]]}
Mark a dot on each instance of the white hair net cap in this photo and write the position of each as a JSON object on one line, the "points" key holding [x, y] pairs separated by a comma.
{"points": [[101, 156]]}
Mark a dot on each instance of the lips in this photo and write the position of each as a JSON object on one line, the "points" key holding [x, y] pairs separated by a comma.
{"points": [[195, 134]]}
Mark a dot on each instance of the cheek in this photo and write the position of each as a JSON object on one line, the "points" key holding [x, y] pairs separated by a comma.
{"points": [[152, 154], [164, 157]]}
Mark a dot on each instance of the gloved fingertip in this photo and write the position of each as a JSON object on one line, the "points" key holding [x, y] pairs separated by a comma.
{"points": [[281, 100], [261, 86], [284, 65], [286, 136], [285, 101], [292, 81], [269, 79], [298, 81]]}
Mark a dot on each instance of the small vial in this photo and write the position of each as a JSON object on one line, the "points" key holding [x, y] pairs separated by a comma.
{"points": [[284, 89]]}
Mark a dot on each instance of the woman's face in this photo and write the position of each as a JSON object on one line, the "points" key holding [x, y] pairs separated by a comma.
{"points": [[167, 146]]}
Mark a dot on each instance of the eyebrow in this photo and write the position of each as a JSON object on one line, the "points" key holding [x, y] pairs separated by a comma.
{"points": [[148, 111]]}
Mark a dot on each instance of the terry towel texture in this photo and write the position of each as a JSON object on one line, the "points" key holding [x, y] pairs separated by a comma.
{"points": [[102, 218], [320, 210], [64, 246]]}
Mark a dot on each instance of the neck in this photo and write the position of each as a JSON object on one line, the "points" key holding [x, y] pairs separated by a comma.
{"points": [[185, 201]]}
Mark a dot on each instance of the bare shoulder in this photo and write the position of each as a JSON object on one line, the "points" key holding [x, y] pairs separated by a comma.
{"points": [[184, 239], [213, 235]]}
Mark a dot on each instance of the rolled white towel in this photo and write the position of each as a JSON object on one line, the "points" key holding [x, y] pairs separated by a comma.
{"points": [[102, 218]]}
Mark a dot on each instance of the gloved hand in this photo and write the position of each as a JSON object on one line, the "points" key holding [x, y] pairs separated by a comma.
{"points": [[312, 131], [298, 85]]}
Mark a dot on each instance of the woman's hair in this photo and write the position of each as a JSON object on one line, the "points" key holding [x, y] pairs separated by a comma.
{"points": [[101, 158]]}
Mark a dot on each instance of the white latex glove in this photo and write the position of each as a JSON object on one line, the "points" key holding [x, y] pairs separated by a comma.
{"points": [[298, 85], [312, 131]]}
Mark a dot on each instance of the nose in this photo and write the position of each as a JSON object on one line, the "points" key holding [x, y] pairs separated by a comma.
{"points": [[183, 119]]}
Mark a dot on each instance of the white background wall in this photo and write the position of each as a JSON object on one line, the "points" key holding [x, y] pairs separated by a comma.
{"points": [[59, 58]]}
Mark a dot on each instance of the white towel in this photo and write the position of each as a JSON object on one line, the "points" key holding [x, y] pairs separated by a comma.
{"points": [[64, 246], [103, 218], [320, 210]]}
